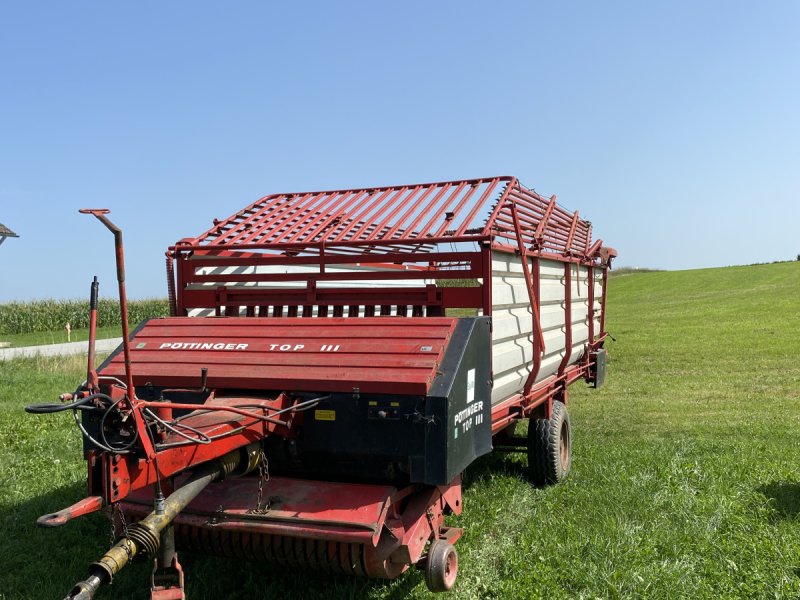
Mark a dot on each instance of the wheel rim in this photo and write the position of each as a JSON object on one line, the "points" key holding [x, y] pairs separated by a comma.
{"points": [[564, 446], [450, 569]]}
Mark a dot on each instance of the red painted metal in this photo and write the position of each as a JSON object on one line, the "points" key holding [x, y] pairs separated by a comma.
{"points": [[383, 355], [336, 255], [100, 215], [450, 213], [168, 584], [82, 507], [567, 318], [396, 230], [591, 282], [399, 231], [384, 529]]}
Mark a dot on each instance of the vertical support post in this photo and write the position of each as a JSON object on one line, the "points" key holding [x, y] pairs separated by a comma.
{"points": [[538, 352], [173, 304], [130, 391], [181, 305], [603, 301], [533, 297], [590, 279], [91, 372], [486, 275], [100, 214], [567, 318]]}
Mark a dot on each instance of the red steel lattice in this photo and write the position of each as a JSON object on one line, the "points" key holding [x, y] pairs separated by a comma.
{"points": [[401, 217]]}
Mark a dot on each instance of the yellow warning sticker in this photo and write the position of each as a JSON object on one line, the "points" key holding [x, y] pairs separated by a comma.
{"points": [[394, 403], [325, 415]]}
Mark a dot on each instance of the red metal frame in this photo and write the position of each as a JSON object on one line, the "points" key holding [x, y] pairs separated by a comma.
{"points": [[385, 528], [398, 230], [378, 235]]}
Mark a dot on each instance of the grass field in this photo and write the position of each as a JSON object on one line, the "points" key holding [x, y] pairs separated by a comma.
{"points": [[37, 338], [685, 481]]}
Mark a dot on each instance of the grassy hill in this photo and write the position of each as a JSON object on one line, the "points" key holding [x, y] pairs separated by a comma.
{"points": [[685, 481]]}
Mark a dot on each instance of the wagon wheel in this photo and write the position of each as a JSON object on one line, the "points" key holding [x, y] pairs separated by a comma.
{"points": [[441, 567], [550, 447]]}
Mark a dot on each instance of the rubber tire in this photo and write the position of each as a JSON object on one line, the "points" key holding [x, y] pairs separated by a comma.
{"points": [[550, 447], [441, 567]]}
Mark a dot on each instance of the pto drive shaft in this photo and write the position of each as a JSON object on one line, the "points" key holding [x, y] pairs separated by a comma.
{"points": [[145, 536]]}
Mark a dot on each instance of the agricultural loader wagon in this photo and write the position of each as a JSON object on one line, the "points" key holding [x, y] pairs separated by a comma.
{"points": [[313, 399]]}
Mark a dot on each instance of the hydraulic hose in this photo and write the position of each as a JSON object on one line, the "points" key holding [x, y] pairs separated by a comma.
{"points": [[43, 409]]}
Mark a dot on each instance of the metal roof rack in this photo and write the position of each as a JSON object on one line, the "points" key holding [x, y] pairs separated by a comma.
{"points": [[412, 218]]}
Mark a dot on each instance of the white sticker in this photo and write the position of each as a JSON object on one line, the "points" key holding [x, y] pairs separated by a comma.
{"points": [[470, 385]]}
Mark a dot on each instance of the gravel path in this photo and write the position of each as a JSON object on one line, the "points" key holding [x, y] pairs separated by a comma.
{"points": [[101, 347]]}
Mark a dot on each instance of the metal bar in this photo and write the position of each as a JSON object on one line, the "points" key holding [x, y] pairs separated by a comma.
{"points": [[443, 209], [440, 211], [91, 372], [568, 245], [100, 214], [386, 205], [486, 276], [590, 277], [219, 224], [348, 244], [341, 217], [542, 226], [171, 293], [487, 230], [250, 228], [465, 224], [378, 227], [346, 199], [534, 300], [387, 259], [537, 356], [301, 216], [355, 276], [410, 211], [603, 301], [288, 209], [320, 204], [359, 217], [567, 318]]}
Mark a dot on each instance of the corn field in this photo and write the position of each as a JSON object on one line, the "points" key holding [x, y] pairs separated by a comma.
{"points": [[52, 315]]}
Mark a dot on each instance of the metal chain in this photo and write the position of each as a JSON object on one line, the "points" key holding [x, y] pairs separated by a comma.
{"points": [[113, 525], [263, 478], [116, 508]]}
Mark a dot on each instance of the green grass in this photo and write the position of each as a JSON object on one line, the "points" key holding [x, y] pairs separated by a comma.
{"points": [[685, 481], [38, 338]]}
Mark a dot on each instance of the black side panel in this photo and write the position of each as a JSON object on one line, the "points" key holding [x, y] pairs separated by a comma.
{"points": [[461, 406], [401, 439], [599, 370]]}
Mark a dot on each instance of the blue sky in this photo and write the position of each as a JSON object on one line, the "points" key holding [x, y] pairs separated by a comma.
{"points": [[673, 126]]}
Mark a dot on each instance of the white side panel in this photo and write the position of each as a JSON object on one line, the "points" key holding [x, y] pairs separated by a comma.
{"points": [[304, 270], [512, 327]]}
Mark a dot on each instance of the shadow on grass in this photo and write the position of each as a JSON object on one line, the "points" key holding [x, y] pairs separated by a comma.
{"points": [[47, 562], [495, 463], [785, 497]]}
